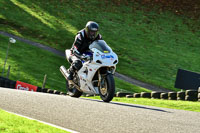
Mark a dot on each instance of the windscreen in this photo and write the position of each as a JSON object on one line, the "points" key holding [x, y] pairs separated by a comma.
{"points": [[101, 46]]}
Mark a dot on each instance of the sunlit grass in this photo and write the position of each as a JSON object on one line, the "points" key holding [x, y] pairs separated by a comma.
{"points": [[10, 123], [45, 17], [35, 14], [1, 16]]}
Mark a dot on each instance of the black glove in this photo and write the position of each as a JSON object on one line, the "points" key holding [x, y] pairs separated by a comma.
{"points": [[85, 57]]}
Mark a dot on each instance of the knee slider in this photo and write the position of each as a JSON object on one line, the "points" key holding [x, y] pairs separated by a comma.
{"points": [[77, 64]]}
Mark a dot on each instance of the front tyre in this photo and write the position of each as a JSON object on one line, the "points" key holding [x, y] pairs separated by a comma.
{"points": [[107, 88]]}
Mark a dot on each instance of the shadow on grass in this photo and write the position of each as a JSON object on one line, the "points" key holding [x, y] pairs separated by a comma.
{"points": [[130, 105]]}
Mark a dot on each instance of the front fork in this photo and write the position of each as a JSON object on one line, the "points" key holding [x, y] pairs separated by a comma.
{"points": [[112, 71], [99, 79]]}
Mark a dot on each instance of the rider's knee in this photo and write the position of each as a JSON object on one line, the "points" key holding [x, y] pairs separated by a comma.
{"points": [[77, 64]]}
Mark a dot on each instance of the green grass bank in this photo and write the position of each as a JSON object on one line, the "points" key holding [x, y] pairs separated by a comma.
{"points": [[29, 64], [151, 45]]}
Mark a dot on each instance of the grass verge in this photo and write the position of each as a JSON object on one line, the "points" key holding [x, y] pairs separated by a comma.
{"points": [[173, 104], [10, 123]]}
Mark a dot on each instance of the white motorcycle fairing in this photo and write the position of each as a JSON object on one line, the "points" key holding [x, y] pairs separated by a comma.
{"points": [[102, 62], [99, 60]]}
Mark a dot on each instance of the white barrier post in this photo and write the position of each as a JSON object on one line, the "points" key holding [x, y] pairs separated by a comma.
{"points": [[11, 40], [44, 81]]}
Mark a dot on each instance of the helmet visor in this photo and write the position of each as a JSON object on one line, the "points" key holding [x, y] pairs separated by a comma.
{"points": [[92, 34]]}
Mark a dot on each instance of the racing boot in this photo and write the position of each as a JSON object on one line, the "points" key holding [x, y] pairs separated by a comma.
{"points": [[71, 73], [70, 76]]}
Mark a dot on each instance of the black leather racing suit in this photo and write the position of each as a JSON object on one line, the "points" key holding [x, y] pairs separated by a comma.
{"points": [[80, 45]]}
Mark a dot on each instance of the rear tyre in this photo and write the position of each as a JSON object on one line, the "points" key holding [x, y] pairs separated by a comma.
{"points": [[72, 91], [107, 91]]}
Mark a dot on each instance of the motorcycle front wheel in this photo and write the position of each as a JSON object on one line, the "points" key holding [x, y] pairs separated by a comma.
{"points": [[107, 88]]}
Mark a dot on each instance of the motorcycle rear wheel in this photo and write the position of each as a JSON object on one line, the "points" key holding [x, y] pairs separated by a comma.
{"points": [[107, 91], [73, 92]]}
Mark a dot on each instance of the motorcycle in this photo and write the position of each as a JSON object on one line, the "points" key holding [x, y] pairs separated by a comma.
{"points": [[96, 74]]}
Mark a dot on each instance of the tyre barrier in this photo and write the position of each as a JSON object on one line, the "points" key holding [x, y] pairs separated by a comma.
{"points": [[44, 90], [12, 84], [63, 93], [172, 96], [164, 96], [137, 95], [39, 89], [1, 82], [122, 94], [56, 92], [4, 82], [129, 96], [156, 95], [190, 98], [191, 92], [50, 91], [199, 94], [7, 83], [145, 95], [191, 95], [180, 95]]}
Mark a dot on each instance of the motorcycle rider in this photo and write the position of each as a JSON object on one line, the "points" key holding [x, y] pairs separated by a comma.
{"points": [[81, 44]]}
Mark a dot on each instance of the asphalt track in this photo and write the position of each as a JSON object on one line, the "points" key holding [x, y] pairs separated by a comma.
{"points": [[93, 116]]}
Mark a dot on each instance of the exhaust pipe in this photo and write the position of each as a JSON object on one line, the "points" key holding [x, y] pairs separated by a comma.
{"points": [[64, 72]]}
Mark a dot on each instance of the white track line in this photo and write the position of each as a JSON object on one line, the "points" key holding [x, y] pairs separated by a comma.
{"points": [[65, 129]]}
